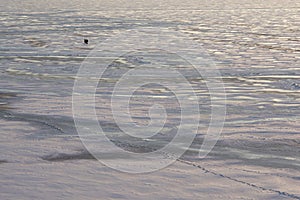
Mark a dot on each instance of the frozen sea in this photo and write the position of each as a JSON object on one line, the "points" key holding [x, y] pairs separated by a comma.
{"points": [[254, 44]]}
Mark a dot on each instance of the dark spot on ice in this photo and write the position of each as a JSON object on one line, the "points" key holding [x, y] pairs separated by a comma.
{"points": [[86, 41], [84, 155], [117, 196], [295, 86]]}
